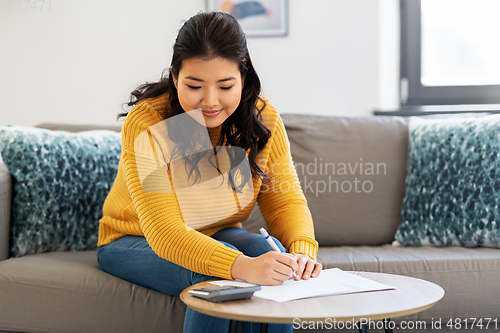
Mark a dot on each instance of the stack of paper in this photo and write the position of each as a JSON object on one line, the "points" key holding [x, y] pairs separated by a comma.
{"points": [[332, 281]]}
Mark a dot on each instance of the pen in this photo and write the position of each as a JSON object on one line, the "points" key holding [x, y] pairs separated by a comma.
{"points": [[273, 244]]}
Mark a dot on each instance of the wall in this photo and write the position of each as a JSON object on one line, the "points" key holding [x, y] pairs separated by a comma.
{"points": [[77, 61]]}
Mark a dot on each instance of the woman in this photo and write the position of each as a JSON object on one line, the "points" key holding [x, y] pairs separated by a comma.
{"points": [[151, 233]]}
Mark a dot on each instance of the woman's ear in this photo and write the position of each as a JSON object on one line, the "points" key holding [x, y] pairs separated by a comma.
{"points": [[173, 77]]}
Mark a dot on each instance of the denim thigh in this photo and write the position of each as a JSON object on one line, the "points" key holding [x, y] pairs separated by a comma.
{"points": [[251, 244], [132, 259]]}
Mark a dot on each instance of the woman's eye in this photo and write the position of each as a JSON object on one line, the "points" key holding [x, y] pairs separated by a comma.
{"points": [[226, 88], [193, 87]]}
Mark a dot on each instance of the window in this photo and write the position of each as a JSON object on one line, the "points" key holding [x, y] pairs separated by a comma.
{"points": [[450, 55]]}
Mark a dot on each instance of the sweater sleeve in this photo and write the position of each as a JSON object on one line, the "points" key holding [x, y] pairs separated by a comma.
{"points": [[159, 213], [282, 201]]}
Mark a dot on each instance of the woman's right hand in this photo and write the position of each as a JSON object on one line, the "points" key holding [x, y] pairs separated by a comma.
{"points": [[269, 269]]}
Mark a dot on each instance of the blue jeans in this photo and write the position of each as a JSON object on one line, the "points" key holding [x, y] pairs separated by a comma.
{"points": [[132, 259]]}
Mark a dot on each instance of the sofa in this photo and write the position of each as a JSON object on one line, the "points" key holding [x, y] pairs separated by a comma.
{"points": [[354, 172]]}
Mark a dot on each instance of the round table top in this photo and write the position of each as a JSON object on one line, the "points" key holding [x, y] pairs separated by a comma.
{"points": [[411, 295]]}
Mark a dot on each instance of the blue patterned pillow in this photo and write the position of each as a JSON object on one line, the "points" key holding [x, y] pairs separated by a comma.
{"points": [[453, 183], [61, 180]]}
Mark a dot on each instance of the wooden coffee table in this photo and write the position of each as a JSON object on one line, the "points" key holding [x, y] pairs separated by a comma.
{"points": [[410, 296]]}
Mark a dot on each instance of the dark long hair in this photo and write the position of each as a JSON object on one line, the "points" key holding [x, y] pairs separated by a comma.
{"points": [[210, 35]]}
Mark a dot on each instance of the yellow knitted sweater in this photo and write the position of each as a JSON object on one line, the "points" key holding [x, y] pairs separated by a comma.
{"points": [[129, 209]]}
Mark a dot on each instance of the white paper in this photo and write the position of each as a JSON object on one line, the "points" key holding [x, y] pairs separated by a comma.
{"points": [[332, 281]]}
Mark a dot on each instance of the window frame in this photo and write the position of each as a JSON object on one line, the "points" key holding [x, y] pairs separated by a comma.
{"points": [[417, 94]]}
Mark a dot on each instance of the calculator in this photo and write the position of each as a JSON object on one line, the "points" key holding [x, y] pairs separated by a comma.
{"points": [[224, 293]]}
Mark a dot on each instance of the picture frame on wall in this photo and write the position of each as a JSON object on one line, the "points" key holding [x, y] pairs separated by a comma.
{"points": [[262, 18]]}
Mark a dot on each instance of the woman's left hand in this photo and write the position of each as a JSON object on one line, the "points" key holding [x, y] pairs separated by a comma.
{"points": [[307, 267]]}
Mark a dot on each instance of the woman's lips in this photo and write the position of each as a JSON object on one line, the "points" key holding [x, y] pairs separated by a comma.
{"points": [[211, 113]]}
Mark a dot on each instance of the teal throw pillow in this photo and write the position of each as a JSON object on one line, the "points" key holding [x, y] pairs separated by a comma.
{"points": [[60, 182], [453, 183]]}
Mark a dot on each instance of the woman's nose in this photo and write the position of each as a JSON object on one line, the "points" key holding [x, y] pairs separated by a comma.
{"points": [[210, 97]]}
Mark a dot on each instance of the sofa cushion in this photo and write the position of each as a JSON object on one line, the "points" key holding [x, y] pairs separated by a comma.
{"points": [[352, 172], [453, 185], [468, 276], [67, 292], [60, 182]]}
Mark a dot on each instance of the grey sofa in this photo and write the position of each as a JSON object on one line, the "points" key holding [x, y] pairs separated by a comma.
{"points": [[356, 216]]}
